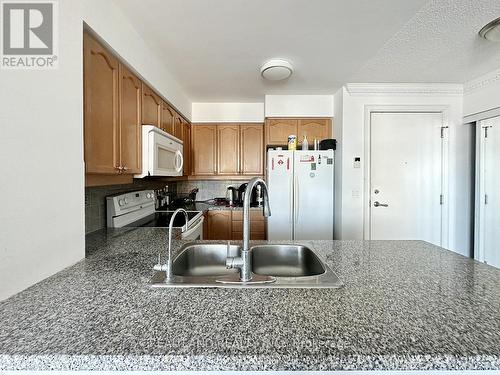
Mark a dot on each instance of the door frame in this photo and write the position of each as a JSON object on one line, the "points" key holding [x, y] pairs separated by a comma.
{"points": [[444, 110]]}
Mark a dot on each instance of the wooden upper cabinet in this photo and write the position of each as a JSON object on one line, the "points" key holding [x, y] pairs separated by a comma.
{"points": [[186, 136], [203, 149], [167, 118], [178, 121], [101, 81], [151, 107], [219, 225], [130, 121], [278, 130], [252, 149], [314, 128], [228, 149]]}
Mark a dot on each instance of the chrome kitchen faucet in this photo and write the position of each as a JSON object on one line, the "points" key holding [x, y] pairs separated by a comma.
{"points": [[244, 261]]}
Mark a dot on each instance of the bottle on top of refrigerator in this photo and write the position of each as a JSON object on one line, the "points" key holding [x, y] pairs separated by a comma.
{"points": [[305, 144], [292, 142]]}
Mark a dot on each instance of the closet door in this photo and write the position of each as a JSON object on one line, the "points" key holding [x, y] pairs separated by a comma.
{"points": [[490, 192]]}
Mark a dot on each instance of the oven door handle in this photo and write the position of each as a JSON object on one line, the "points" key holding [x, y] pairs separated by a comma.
{"points": [[194, 228]]}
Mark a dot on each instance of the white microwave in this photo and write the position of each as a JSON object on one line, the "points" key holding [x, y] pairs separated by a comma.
{"points": [[161, 153]]}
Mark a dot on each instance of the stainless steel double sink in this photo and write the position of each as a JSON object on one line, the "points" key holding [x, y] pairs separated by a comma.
{"points": [[293, 266]]}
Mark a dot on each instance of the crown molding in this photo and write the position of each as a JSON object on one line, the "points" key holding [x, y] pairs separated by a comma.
{"points": [[482, 82], [416, 89]]}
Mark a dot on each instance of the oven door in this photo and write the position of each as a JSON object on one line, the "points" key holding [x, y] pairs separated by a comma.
{"points": [[195, 232]]}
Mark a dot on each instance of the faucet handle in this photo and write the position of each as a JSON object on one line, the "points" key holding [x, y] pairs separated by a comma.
{"points": [[159, 266]]}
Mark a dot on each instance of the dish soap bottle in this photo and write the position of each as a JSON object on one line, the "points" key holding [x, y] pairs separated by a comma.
{"points": [[305, 144]]}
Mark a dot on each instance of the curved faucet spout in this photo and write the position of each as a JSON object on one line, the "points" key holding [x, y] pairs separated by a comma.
{"points": [[246, 207], [168, 270]]}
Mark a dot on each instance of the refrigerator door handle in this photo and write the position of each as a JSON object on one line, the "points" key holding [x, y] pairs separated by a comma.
{"points": [[296, 200], [290, 200]]}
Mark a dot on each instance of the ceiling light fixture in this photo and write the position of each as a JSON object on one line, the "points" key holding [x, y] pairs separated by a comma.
{"points": [[491, 31], [276, 70]]}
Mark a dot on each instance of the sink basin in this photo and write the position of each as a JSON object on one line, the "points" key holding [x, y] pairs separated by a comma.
{"points": [[286, 261], [205, 260], [293, 266]]}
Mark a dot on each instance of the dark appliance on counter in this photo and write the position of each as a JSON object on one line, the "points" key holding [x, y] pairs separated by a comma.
{"points": [[255, 199], [328, 144]]}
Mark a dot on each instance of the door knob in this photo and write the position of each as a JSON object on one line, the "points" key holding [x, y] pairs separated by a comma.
{"points": [[378, 204]]}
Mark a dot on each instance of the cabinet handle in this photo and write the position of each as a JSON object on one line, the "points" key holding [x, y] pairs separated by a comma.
{"points": [[124, 169], [120, 168]]}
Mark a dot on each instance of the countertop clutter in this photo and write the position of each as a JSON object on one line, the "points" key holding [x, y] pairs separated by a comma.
{"points": [[406, 305]]}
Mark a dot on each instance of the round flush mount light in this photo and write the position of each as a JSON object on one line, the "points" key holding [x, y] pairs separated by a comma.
{"points": [[491, 31], [276, 70]]}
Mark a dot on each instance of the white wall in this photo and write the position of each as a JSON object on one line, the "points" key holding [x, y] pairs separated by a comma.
{"points": [[107, 20], [42, 189], [482, 94], [352, 144], [228, 112], [299, 106], [337, 134]]}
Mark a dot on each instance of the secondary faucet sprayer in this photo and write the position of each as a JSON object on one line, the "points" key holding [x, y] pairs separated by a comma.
{"points": [[167, 267]]}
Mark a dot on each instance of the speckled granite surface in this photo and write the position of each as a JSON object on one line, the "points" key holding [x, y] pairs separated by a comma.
{"points": [[405, 305]]}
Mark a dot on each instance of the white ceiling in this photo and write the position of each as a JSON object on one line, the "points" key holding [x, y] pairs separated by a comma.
{"points": [[215, 47]]}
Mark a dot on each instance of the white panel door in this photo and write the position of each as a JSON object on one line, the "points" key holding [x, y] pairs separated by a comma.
{"points": [[280, 184], [313, 198], [406, 176], [491, 198]]}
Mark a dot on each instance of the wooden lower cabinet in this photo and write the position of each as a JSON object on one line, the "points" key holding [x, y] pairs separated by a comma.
{"points": [[219, 225], [228, 225]]}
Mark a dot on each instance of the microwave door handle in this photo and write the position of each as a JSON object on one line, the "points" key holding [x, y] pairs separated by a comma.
{"points": [[179, 161]]}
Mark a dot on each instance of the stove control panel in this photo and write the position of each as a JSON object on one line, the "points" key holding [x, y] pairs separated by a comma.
{"points": [[129, 206]]}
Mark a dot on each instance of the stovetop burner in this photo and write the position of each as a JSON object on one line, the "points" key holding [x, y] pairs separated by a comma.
{"points": [[161, 219]]}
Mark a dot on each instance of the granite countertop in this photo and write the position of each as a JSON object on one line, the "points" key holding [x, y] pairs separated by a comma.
{"points": [[405, 306]]}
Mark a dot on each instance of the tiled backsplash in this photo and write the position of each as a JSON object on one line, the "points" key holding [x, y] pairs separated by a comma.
{"points": [[95, 200], [208, 189], [95, 197]]}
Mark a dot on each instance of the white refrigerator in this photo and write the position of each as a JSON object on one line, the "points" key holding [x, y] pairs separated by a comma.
{"points": [[301, 193]]}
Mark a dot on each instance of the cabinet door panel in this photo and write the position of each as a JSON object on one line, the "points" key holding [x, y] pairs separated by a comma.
{"points": [[278, 130], [178, 121], [228, 149], [151, 107], [219, 225], [187, 148], [101, 80], [203, 149], [252, 149], [314, 128], [167, 118], [130, 121]]}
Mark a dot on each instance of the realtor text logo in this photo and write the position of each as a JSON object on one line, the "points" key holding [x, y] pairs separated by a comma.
{"points": [[29, 35]]}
